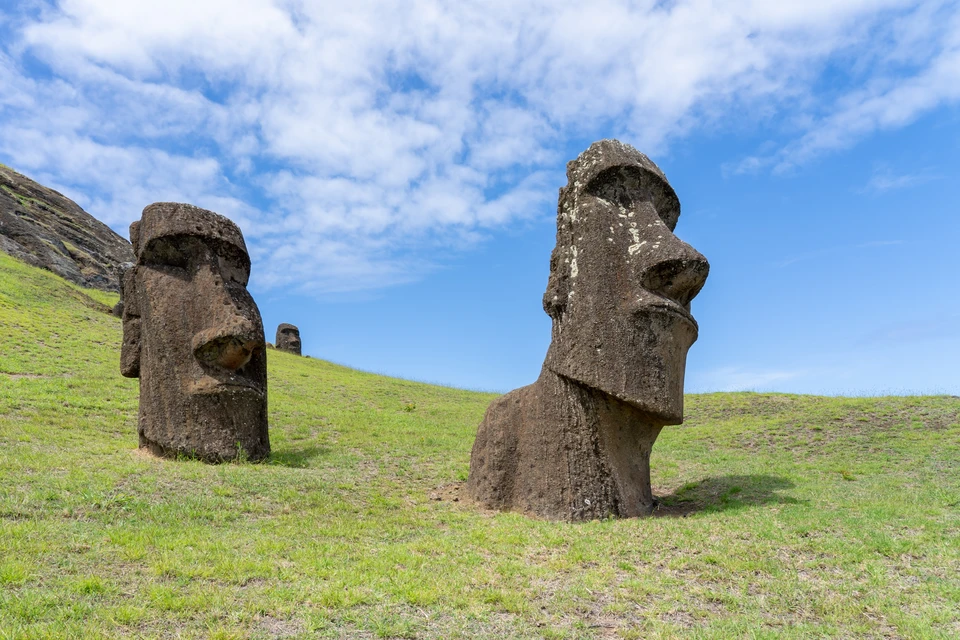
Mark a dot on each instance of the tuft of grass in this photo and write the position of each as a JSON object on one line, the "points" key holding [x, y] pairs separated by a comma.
{"points": [[355, 526]]}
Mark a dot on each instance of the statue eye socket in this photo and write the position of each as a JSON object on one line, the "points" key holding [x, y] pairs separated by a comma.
{"points": [[620, 185], [166, 252], [233, 269], [630, 188]]}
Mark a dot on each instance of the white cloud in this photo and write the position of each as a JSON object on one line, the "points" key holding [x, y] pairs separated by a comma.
{"points": [[348, 137], [736, 378], [842, 249], [913, 68], [885, 179]]}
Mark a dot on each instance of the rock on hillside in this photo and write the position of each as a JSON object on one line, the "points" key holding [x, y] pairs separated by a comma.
{"points": [[46, 229]]}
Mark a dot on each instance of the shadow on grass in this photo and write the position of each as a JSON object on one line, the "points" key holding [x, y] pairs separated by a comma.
{"points": [[296, 458], [722, 493]]}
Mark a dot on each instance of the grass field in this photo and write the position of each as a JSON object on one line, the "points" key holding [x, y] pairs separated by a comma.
{"points": [[782, 516]]}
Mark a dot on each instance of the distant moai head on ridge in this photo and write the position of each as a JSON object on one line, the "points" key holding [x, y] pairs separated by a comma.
{"points": [[193, 335], [621, 282], [288, 338], [576, 444]]}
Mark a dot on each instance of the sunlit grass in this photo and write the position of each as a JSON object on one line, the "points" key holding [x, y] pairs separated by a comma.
{"points": [[781, 516]]}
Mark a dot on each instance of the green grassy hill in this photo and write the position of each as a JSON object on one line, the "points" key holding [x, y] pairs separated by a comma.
{"points": [[782, 515]]}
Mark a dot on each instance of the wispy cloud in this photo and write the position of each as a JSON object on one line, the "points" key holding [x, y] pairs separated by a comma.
{"points": [[738, 378], [351, 140], [819, 253], [914, 67], [934, 326], [885, 179]]}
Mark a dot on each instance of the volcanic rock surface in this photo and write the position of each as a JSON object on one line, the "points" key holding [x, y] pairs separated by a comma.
{"points": [[46, 229]]}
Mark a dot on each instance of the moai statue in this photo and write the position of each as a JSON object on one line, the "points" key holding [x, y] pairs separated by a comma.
{"points": [[122, 269], [575, 445], [288, 338], [193, 335]]}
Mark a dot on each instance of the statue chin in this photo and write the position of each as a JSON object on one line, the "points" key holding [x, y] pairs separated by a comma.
{"points": [[644, 368]]}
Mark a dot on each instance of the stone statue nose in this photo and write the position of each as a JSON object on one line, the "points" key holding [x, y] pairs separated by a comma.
{"points": [[231, 337], [226, 347], [679, 276]]}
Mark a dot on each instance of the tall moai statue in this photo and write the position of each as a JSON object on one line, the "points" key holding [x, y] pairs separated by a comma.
{"points": [[288, 338], [575, 444], [193, 335]]}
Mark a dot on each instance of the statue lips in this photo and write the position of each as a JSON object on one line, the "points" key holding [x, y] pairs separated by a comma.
{"points": [[667, 306], [209, 385]]}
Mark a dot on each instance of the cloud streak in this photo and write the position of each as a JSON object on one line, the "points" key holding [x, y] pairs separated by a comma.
{"points": [[819, 253], [737, 378], [884, 179], [914, 68]]}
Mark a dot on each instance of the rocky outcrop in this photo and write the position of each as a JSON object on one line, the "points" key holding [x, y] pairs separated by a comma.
{"points": [[48, 230]]}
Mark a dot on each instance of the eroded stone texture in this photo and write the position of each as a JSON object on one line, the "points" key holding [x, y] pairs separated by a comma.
{"points": [[288, 338], [576, 444], [193, 335]]}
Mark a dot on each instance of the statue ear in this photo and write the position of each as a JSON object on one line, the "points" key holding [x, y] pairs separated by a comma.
{"points": [[558, 284], [130, 349], [555, 297], [135, 237]]}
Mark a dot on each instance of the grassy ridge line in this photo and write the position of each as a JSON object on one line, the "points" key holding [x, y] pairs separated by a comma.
{"points": [[796, 516]]}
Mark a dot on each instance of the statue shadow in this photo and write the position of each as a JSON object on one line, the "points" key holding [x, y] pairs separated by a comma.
{"points": [[296, 458], [724, 493]]}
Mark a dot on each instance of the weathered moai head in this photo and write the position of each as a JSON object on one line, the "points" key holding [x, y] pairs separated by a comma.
{"points": [[621, 283], [193, 335], [288, 338]]}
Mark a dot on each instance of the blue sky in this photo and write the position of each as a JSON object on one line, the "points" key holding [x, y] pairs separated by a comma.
{"points": [[394, 166]]}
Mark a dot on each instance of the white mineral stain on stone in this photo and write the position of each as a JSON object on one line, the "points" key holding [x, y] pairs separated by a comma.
{"points": [[634, 248], [572, 210], [573, 264], [635, 234]]}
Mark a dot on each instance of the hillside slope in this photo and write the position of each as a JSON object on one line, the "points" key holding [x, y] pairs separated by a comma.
{"points": [[42, 227], [782, 516]]}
